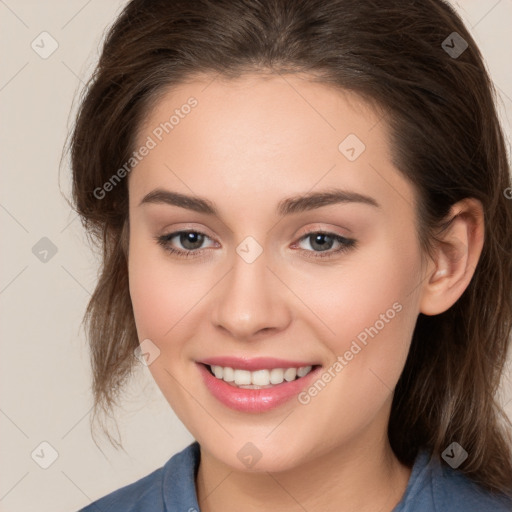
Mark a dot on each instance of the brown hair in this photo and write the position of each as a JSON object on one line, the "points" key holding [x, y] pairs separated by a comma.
{"points": [[446, 139]]}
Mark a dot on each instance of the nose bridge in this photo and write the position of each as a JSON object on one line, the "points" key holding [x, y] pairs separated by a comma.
{"points": [[248, 301]]}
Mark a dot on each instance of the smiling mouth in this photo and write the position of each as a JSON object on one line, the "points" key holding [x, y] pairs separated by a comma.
{"points": [[258, 379]]}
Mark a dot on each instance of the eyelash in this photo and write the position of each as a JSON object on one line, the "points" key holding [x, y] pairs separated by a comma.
{"points": [[346, 244]]}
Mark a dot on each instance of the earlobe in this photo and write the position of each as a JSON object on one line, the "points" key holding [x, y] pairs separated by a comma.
{"points": [[456, 257]]}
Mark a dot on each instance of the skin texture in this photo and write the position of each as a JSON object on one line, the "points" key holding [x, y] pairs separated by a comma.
{"points": [[248, 144]]}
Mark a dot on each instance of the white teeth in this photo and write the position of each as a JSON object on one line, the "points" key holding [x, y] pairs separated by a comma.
{"points": [[259, 378], [276, 375], [228, 374], [303, 371], [290, 374], [242, 377]]}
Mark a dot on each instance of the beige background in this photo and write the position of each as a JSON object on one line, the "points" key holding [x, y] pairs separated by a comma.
{"points": [[44, 367]]}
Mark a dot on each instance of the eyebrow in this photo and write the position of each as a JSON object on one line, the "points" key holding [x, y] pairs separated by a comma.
{"points": [[295, 204]]}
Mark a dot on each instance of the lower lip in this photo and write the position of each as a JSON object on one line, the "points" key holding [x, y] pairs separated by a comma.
{"points": [[254, 400]]}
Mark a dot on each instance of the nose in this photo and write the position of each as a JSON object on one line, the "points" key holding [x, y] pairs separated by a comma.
{"points": [[251, 300]]}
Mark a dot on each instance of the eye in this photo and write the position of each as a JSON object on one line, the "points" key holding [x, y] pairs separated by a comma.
{"points": [[191, 242], [322, 242]]}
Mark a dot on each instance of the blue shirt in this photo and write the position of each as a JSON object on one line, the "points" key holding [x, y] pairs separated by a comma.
{"points": [[432, 487]]}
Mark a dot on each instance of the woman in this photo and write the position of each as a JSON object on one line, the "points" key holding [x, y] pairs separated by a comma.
{"points": [[307, 239]]}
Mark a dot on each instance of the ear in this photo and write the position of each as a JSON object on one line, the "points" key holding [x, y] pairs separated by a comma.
{"points": [[456, 257]]}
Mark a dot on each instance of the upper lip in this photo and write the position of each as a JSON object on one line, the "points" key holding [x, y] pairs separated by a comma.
{"points": [[255, 363]]}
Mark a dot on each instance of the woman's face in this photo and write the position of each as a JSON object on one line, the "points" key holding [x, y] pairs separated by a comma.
{"points": [[262, 289]]}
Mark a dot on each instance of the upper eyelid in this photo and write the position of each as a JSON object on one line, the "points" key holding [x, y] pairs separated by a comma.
{"points": [[334, 235], [314, 227], [173, 234]]}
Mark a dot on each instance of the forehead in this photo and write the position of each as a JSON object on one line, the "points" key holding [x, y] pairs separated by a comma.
{"points": [[262, 136], [261, 111]]}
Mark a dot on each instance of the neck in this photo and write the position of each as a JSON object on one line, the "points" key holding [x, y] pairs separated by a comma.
{"points": [[361, 475]]}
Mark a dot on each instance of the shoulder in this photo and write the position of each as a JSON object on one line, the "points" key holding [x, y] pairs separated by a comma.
{"points": [[455, 491], [144, 494], [436, 487], [165, 487]]}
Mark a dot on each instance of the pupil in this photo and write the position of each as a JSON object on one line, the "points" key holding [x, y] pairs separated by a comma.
{"points": [[189, 240], [321, 245]]}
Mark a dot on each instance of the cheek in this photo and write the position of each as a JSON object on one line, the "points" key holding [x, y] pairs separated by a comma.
{"points": [[163, 295], [161, 292], [384, 310], [374, 289], [368, 310]]}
